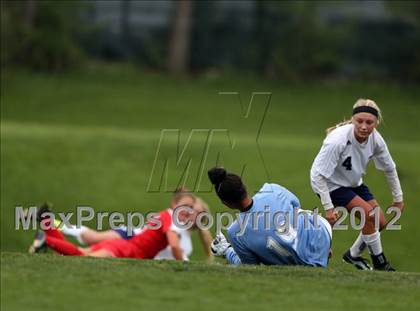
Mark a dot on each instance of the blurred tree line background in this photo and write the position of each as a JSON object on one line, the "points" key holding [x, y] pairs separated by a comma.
{"points": [[287, 40]]}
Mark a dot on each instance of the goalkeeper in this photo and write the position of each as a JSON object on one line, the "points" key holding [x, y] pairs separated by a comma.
{"points": [[272, 239]]}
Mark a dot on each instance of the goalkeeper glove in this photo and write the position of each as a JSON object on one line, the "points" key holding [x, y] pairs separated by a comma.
{"points": [[220, 245]]}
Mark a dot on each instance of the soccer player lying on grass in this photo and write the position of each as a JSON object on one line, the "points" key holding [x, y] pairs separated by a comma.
{"points": [[88, 236], [145, 245], [267, 242]]}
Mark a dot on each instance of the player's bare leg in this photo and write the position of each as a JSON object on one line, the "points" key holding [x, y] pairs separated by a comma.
{"points": [[382, 220], [354, 254], [369, 236], [103, 253], [359, 246], [90, 236]]}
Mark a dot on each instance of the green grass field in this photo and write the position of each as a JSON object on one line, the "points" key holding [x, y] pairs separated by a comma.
{"points": [[91, 139], [51, 282]]}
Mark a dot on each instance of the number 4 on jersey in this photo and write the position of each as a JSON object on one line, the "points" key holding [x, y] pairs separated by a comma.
{"points": [[347, 163]]}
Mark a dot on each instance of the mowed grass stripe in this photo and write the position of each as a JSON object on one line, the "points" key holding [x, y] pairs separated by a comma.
{"points": [[11, 129]]}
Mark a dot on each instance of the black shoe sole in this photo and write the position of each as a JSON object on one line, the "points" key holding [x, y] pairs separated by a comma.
{"points": [[357, 264]]}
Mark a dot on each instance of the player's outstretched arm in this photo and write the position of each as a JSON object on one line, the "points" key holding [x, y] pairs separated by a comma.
{"points": [[384, 162], [173, 242], [206, 240], [395, 186], [221, 247]]}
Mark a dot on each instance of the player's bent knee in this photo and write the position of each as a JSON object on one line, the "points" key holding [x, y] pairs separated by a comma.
{"points": [[85, 251], [90, 237], [371, 219], [376, 217]]}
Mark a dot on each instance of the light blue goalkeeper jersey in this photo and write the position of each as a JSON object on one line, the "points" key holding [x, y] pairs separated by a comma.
{"points": [[265, 239]]}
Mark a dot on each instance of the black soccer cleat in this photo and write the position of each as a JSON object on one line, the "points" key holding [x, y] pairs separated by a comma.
{"points": [[386, 267], [39, 245], [359, 262], [381, 263]]}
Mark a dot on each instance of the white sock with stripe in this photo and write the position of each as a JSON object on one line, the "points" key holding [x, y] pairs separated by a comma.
{"points": [[373, 242], [358, 246], [74, 232]]}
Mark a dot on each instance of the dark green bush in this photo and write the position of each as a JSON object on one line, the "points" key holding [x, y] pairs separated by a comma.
{"points": [[45, 42]]}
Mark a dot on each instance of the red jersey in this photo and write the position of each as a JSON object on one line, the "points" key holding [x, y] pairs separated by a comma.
{"points": [[151, 241], [145, 245]]}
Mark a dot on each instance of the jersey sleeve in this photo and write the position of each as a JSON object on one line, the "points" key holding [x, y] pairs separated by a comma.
{"points": [[382, 157], [394, 184], [327, 159], [294, 200], [238, 253], [166, 221], [232, 257], [319, 184]]}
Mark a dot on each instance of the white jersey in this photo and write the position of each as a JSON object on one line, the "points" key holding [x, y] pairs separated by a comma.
{"points": [[185, 244], [342, 160]]}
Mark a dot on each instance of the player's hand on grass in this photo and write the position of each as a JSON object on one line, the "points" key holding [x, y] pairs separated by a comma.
{"points": [[219, 245], [331, 216]]}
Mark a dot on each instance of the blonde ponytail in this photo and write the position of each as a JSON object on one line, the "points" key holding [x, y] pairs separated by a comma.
{"points": [[332, 128]]}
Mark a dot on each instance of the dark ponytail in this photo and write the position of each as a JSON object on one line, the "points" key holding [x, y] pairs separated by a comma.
{"points": [[228, 186], [217, 175]]}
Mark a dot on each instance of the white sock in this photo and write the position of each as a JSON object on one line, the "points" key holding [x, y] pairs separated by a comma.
{"points": [[373, 242], [358, 246], [74, 232]]}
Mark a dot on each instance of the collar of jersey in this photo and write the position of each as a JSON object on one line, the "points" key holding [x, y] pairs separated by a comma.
{"points": [[249, 207], [353, 140]]}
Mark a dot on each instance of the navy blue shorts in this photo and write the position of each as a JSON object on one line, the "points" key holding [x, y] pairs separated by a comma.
{"points": [[123, 233], [343, 195]]}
